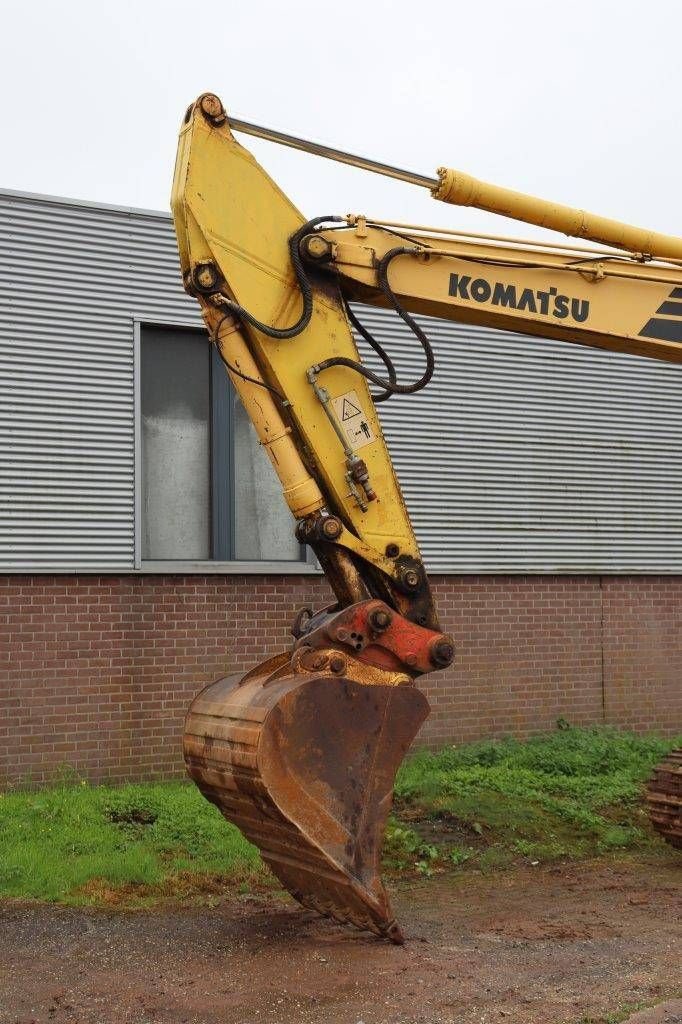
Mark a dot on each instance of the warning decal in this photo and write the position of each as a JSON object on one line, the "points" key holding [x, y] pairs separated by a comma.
{"points": [[353, 421], [348, 410]]}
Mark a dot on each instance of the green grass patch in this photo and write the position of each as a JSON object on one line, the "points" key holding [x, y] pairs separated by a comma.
{"points": [[136, 843], [617, 1016], [570, 794], [574, 793]]}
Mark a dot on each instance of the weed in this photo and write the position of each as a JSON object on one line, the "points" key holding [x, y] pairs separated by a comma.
{"points": [[574, 793], [458, 856], [616, 1016], [54, 843], [571, 793], [403, 849]]}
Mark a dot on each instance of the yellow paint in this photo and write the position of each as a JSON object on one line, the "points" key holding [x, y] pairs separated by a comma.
{"points": [[622, 294], [301, 492], [463, 190], [229, 211]]}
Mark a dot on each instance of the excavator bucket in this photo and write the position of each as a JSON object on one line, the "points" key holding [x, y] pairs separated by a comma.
{"points": [[303, 762]]}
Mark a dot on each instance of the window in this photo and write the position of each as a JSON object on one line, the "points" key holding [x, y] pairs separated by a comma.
{"points": [[208, 489]]}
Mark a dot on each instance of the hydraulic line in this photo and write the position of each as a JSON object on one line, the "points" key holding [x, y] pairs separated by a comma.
{"points": [[319, 149], [460, 189], [390, 387], [378, 348], [238, 373], [284, 333]]}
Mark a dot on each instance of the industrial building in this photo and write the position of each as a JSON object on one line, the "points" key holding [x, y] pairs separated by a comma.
{"points": [[144, 542]]}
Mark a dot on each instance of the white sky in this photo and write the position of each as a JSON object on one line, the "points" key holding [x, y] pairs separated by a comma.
{"points": [[575, 100]]}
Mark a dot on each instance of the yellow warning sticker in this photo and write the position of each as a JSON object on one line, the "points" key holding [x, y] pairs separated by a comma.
{"points": [[354, 423]]}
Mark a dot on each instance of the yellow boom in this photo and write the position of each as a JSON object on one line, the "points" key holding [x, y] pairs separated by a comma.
{"points": [[302, 751]]}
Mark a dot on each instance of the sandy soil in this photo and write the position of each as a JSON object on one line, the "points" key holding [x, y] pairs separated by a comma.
{"points": [[529, 946]]}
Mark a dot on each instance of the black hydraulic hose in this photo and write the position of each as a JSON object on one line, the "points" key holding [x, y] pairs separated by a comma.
{"points": [[391, 386], [283, 333], [233, 369], [377, 347]]}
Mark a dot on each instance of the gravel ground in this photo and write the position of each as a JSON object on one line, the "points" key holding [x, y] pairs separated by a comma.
{"points": [[529, 946]]}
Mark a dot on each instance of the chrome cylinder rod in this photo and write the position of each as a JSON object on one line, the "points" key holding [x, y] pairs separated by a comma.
{"points": [[331, 154]]}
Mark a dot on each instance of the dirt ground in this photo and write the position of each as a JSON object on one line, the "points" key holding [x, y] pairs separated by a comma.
{"points": [[537, 945]]}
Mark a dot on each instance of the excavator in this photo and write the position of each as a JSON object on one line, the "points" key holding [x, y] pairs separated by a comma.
{"points": [[301, 752]]}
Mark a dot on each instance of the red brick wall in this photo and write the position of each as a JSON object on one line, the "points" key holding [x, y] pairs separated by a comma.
{"points": [[96, 672]]}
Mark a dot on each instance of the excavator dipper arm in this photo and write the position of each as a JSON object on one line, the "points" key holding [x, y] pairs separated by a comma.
{"points": [[301, 752]]}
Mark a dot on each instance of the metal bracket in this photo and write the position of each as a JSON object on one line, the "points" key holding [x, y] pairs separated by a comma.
{"points": [[356, 469]]}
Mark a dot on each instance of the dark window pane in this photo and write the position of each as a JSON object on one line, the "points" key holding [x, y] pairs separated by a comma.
{"points": [[208, 488], [264, 526], [176, 491]]}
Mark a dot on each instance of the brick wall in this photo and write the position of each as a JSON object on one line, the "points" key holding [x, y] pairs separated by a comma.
{"points": [[96, 672]]}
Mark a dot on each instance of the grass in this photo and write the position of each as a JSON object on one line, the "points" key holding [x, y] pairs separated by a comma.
{"points": [[574, 793], [84, 844], [620, 1015], [617, 1017]]}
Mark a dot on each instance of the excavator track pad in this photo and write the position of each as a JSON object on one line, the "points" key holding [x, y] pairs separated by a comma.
{"points": [[303, 759], [664, 797]]}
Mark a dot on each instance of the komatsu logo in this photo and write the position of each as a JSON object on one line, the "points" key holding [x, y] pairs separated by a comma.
{"points": [[660, 326], [547, 303]]}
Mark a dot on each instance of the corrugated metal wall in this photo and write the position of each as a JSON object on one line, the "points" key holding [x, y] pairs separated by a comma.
{"points": [[522, 456], [72, 278], [532, 455]]}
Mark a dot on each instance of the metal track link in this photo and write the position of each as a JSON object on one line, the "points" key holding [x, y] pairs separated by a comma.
{"points": [[664, 797]]}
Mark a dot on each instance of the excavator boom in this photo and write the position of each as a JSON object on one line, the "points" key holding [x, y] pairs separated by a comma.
{"points": [[301, 752]]}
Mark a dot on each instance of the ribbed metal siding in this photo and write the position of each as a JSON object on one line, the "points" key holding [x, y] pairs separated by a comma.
{"points": [[72, 279], [536, 456], [522, 455]]}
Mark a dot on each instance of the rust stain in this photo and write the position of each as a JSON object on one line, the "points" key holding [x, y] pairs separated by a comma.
{"points": [[303, 760]]}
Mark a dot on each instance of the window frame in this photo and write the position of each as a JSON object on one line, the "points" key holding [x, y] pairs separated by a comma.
{"points": [[308, 565]]}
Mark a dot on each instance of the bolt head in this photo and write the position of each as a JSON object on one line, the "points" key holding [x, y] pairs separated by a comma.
{"points": [[317, 248], [411, 578], [337, 664], [205, 276], [212, 108], [442, 651], [331, 528], [380, 619], [342, 634]]}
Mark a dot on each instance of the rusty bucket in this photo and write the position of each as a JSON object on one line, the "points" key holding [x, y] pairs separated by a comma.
{"points": [[303, 762]]}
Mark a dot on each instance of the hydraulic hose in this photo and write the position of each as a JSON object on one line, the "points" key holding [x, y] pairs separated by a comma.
{"points": [[284, 333], [390, 386]]}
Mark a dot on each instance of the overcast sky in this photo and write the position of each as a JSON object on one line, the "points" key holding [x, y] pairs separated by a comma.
{"points": [[575, 101]]}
